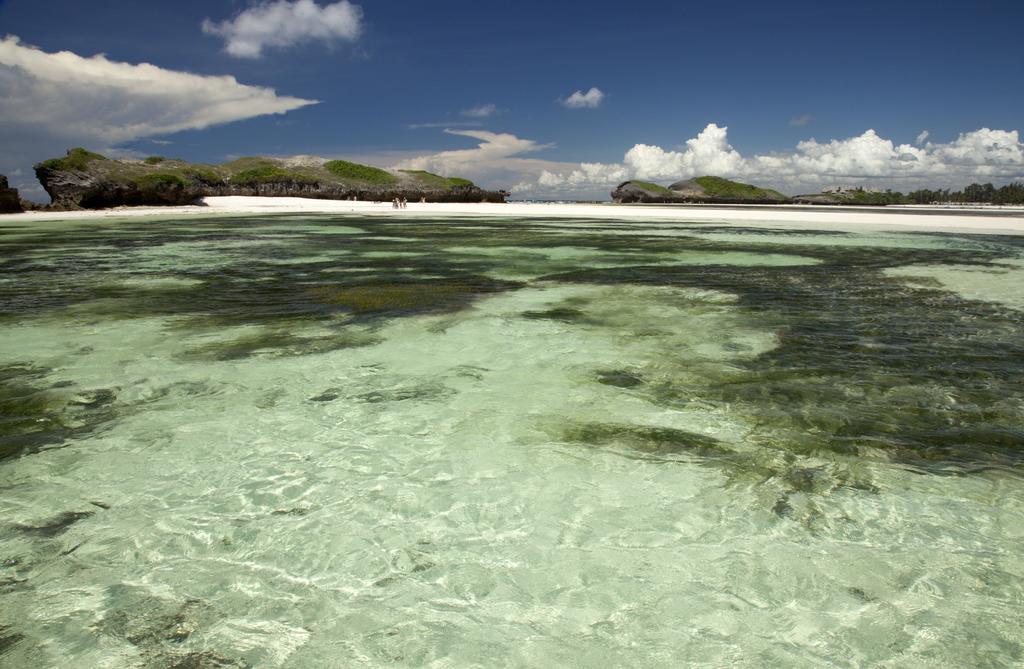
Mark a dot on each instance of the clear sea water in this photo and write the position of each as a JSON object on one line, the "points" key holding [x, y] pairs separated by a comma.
{"points": [[300, 441]]}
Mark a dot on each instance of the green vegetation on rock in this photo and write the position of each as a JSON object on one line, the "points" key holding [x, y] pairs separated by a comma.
{"points": [[203, 176], [653, 187], [77, 159], [357, 172], [431, 180], [724, 188], [158, 179], [270, 173]]}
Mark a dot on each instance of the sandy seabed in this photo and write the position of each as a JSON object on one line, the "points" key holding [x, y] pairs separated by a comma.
{"points": [[945, 219], [522, 435]]}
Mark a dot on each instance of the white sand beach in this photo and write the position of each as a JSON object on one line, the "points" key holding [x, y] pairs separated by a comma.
{"points": [[1006, 220]]}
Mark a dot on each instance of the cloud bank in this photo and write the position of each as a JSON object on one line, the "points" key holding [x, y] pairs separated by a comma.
{"points": [[580, 100], [285, 23], [867, 159], [50, 101], [495, 162]]}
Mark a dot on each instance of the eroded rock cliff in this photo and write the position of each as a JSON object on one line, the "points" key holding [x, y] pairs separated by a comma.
{"points": [[9, 200], [86, 180]]}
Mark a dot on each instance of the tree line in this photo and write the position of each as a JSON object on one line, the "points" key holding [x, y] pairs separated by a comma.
{"points": [[1009, 194]]}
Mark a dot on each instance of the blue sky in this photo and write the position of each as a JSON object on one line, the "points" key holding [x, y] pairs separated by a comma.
{"points": [[774, 74]]}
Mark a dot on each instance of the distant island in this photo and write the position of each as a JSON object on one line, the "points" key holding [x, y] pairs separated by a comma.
{"points": [[716, 190], [702, 189], [86, 180]]}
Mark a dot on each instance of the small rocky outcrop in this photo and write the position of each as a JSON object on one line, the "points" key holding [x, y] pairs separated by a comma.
{"points": [[641, 191], [10, 203], [818, 198], [86, 180], [706, 189]]}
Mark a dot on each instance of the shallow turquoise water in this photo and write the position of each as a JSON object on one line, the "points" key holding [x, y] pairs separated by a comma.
{"points": [[322, 442]]}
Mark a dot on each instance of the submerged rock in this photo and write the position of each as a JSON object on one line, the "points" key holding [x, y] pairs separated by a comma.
{"points": [[93, 399], [57, 525], [33, 416], [646, 439], [326, 396], [619, 378], [561, 314], [157, 625], [426, 392], [410, 297], [206, 659], [8, 638]]}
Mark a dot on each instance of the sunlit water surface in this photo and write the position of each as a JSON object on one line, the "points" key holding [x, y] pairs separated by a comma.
{"points": [[322, 442]]}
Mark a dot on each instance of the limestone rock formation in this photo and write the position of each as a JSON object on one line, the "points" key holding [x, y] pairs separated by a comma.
{"points": [[9, 200], [642, 191], [86, 180], [709, 189]]}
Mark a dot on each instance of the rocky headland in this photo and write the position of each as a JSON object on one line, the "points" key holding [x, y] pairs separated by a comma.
{"points": [[706, 189], [87, 180], [10, 203], [716, 190]]}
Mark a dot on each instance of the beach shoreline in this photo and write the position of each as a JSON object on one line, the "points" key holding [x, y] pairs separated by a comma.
{"points": [[1009, 221]]}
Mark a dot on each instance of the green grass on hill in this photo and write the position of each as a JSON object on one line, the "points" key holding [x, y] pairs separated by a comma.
{"points": [[431, 180], [77, 159], [270, 173], [203, 176], [158, 179], [356, 172], [653, 187], [158, 171], [719, 187]]}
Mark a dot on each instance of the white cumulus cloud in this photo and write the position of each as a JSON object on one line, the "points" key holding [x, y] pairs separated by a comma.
{"points": [[921, 138], [866, 159], [285, 23], [50, 101], [580, 100]]}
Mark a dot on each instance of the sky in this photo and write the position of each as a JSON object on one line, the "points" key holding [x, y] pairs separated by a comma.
{"points": [[550, 100]]}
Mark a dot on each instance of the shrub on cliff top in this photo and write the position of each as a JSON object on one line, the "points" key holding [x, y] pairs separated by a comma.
{"points": [[652, 187], [357, 172], [271, 174], [719, 187], [431, 180], [158, 179], [77, 159], [154, 160], [206, 177]]}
